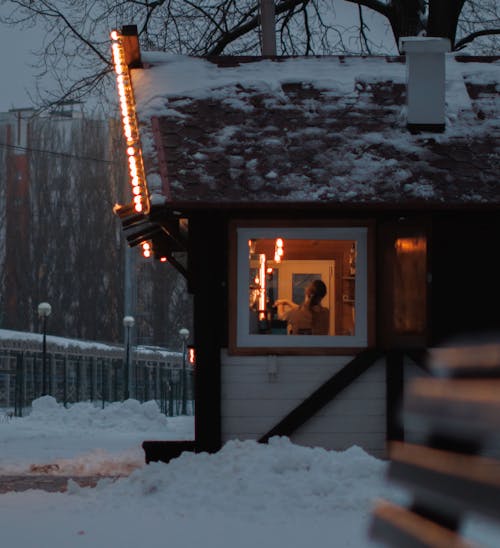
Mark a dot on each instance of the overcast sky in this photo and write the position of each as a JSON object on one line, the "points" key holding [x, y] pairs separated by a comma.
{"points": [[17, 76]]}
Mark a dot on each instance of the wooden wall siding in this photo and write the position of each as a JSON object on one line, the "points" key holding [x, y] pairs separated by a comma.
{"points": [[253, 402], [357, 416]]}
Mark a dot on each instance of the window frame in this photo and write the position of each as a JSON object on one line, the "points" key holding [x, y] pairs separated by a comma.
{"points": [[241, 341]]}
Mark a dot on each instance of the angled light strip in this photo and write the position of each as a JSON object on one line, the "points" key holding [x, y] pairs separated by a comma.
{"points": [[130, 126]]}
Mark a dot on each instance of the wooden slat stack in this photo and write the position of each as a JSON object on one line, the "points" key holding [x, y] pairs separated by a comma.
{"points": [[455, 469]]}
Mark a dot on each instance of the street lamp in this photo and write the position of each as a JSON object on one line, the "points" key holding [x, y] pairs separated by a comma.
{"points": [[184, 333], [128, 322], [44, 310]]}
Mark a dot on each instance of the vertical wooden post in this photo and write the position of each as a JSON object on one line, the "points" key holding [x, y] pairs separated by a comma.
{"points": [[394, 387], [267, 21]]}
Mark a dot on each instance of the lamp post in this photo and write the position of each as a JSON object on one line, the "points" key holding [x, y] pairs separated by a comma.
{"points": [[128, 322], [184, 333], [44, 310]]}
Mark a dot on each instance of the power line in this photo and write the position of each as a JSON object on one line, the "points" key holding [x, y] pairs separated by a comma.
{"points": [[61, 154]]}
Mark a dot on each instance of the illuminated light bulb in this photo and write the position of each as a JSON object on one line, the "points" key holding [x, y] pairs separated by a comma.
{"points": [[279, 242], [146, 245], [280, 251], [135, 181], [132, 161], [277, 258], [136, 190], [128, 132], [146, 253], [130, 151], [137, 199], [138, 208], [269, 270], [192, 356], [114, 35], [163, 259]]}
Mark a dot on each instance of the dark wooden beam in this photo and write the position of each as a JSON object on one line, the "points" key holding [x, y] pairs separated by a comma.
{"points": [[394, 390], [207, 261]]}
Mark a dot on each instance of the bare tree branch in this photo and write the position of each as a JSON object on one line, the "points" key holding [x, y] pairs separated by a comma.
{"points": [[460, 44]]}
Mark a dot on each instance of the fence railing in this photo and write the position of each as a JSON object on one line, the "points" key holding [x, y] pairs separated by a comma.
{"points": [[86, 372]]}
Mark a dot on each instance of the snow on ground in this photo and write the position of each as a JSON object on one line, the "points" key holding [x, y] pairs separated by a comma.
{"points": [[86, 439], [277, 495]]}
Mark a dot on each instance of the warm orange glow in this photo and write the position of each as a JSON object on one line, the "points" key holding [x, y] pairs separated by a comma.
{"points": [[146, 250], [163, 259], [410, 245], [262, 279], [192, 356], [130, 124], [278, 250]]}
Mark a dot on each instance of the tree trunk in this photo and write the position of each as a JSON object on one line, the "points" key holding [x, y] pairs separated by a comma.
{"points": [[443, 18], [405, 18]]}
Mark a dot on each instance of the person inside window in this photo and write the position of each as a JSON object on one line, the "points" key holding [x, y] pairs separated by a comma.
{"points": [[308, 318]]}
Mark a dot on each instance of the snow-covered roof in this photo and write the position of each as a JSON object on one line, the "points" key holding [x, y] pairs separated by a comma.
{"points": [[317, 129]]}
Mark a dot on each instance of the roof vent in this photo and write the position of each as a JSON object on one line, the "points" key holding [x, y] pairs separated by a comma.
{"points": [[425, 62]]}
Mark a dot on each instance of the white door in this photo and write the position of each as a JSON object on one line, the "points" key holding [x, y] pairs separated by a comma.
{"points": [[295, 276]]}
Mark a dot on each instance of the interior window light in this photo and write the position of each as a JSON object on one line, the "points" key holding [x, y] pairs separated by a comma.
{"points": [[301, 287]]}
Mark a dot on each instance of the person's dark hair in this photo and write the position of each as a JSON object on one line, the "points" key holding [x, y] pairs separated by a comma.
{"points": [[317, 290]]}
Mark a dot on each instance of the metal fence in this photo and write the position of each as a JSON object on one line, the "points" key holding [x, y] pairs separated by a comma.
{"points": [[95, 374]]}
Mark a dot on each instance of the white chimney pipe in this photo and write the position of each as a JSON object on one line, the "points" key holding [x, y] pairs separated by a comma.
{"points": [[425, 62], [267, 21]]}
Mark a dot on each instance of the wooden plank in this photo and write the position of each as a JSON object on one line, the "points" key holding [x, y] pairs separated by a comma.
{"points": [[478, 360], [443, 479], [272, 390], [277, 408], [398, 527], [328, 426], [463, 407]]}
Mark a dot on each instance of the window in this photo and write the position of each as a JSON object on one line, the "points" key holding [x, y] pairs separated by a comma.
{"points": [[274, 268], [409, 295]]}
